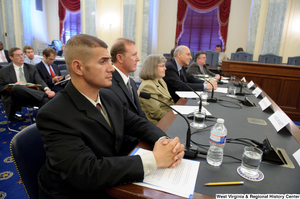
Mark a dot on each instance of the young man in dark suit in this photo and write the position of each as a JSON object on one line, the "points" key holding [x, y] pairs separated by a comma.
{"points": [[49, 71], [83, 126], [176, 76], [4, 57], [18, 73]]}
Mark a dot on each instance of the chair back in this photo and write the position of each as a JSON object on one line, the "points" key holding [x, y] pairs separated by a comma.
{"points": [[241, 56], [62, 66], [212, 58], [270, 58], [64, 72], [291, 61], [193, 55], [3, 64], [27, 150]]}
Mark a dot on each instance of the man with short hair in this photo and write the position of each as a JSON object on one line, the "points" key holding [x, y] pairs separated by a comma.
{"points": [[49, 71], [198, 66], [29, 56], [18, 73], [83, 126], [222, 55], [4, 54], [176, 76]]}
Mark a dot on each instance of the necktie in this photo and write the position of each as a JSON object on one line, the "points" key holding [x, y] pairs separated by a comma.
{"points": [[98, 106], [31, 61], [129, 87], [2, 56], [21, 75], [51, 72]]}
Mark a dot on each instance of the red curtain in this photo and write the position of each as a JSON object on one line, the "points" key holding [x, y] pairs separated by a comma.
{"points": [[205, 6], [63, 5]]}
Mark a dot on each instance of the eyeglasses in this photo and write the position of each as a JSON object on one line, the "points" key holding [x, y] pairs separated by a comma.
{"points": [[18, 55], [161, 66]]}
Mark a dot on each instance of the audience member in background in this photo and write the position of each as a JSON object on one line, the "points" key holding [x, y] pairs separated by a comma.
{"points": [[172, 52], [4, 54], [29, 56], [222, 55], [49, 71], [239, 49], [82, 131], [152, 72], [17, 73], [176, 75], [198, 66], [61, 53]]}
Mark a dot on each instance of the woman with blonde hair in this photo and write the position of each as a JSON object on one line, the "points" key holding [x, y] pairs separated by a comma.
{"points": [[152, 72]]}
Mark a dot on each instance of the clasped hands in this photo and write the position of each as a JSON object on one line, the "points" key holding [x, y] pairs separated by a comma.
{"points": [[168, 152]]}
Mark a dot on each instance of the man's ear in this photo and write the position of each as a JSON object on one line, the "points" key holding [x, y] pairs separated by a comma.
{"points": [[120, 58], [77, 67]]}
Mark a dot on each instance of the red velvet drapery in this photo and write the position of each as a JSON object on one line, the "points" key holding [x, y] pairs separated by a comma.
{"points": [[205, 6], [63, 5]]}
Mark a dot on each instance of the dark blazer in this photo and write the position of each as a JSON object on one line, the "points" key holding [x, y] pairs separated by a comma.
{"points": [[47, 77], [120, 89], [187, 78], [195, 70], [84, 156], [7, 56], [8, 76]]}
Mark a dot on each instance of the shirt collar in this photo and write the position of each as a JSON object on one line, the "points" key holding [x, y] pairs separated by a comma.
{"points": [[178, 66], [124, 77], [98, 101], [17, 67]]}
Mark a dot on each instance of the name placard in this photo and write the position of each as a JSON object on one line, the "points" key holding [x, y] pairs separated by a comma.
{"points": [[264, 103], [257, 91], [279, 120], [250, 84]]}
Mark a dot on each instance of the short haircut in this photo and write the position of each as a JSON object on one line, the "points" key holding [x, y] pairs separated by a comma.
{"points": [[12, 50], [49, 51], [172, 52], [239, 49], [218, 46], [179, 49], [119, 48], [27, 47], [1, 42], [149, 67], [197, 55], [79, 47]]}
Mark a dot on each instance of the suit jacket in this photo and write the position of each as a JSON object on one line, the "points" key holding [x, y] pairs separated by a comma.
{"points": [[8, 76], [47, 77], [153, 109], [83, 153], [178, 85], [120, 89], [7, 56], [195, 70]]}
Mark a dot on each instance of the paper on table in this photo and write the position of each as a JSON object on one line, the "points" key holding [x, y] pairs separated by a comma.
{"points": [[297, 156], [188, 94], [187, 109], [220, 90], [279, 120], [180, 180]]}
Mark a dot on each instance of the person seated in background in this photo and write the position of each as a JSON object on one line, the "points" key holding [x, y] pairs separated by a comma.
{"points": [[198, 66], [49, 71], [222, 55], [4, 57], [152, 72], [18, 73], [61, 53], [172, 52], [83, 126], [29, 56], [239, 49], [176, 76]]}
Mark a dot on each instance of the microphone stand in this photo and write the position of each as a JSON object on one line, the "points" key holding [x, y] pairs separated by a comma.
{"points": [[189, 153], [212, 99], [241, 90]]}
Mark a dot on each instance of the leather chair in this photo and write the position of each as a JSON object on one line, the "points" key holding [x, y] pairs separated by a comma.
{"points": [[212, 57], [29, 155], [3, 64], [242, 56], [270, 58], [294, 61], [64, 72], [62, 66]]}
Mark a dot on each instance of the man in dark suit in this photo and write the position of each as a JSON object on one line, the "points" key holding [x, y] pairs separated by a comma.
{"points": [[18, 73], [82, 131], [176, 74], [198, 66], [49, 71], [4, 54]]}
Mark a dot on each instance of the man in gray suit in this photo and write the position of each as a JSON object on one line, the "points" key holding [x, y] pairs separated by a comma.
{"points": [[198, 66], [19, 73]]}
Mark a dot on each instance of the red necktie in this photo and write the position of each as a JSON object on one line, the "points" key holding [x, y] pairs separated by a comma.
{"points": [[98, 106], [51, 72]]}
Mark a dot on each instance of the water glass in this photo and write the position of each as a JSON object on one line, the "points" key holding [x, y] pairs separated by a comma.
{"points": [[251, 160], [204, 96], [231, 90], [199, 119], [232, 78]]}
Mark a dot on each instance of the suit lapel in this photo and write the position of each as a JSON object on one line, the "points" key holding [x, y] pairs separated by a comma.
{"points": [[12, 74], [27, 73], [161, 88]]}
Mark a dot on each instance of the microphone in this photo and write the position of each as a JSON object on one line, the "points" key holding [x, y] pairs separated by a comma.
{"points": [[189, 153], [241, 90], [212, 99], [200, 104]]}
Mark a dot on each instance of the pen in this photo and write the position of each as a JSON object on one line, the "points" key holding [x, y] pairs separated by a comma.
{"points": [[224, 183]]}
